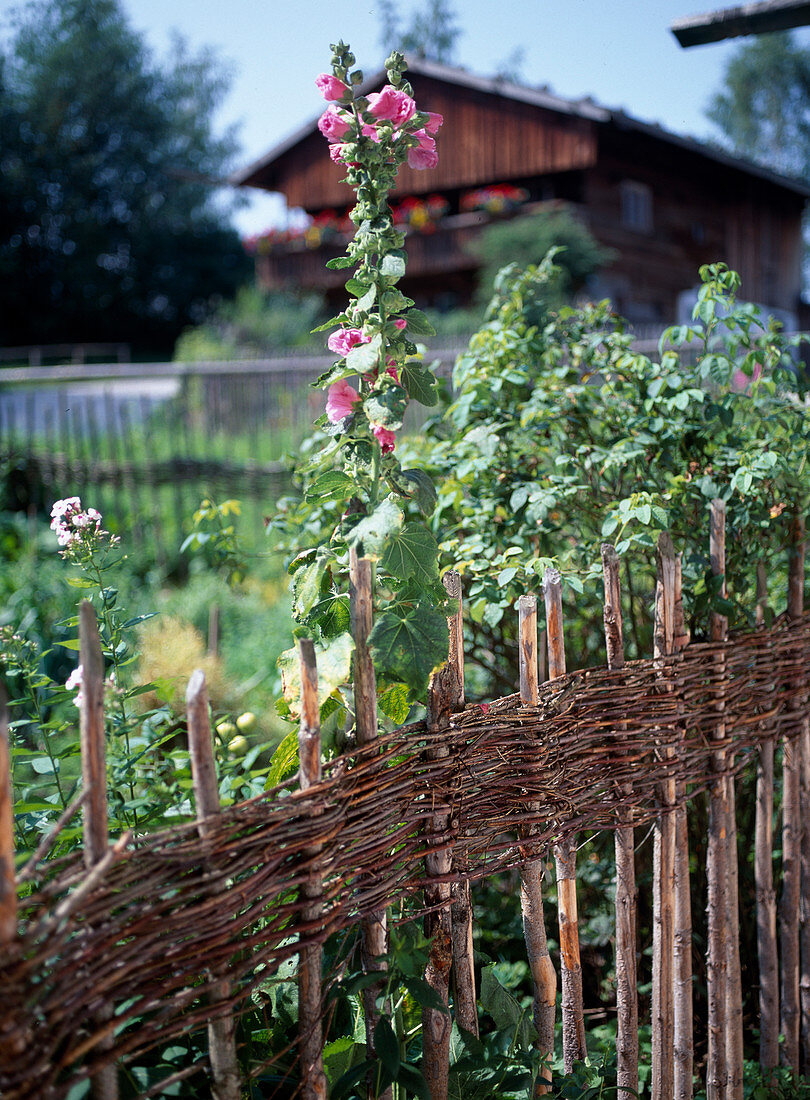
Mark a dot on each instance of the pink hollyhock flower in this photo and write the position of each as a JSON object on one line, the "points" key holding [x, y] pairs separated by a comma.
{"points": [[371, 132], [386, 439], [400, 323], [391, 104], [333, 123], [740, 380], [340, 400], [330, 87], [336, 152], [424, 155], [434, 122], [343, 340]]}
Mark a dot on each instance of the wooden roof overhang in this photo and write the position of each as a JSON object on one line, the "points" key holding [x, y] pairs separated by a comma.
{"points": [[758, 18]]}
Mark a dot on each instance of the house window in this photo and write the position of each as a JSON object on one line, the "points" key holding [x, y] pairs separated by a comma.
{"points": [[636, 206]]}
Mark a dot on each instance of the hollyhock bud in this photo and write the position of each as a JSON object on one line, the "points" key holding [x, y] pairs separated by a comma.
{"points": [[330, 87], [333, 124], [340, 400], [391, 104]]}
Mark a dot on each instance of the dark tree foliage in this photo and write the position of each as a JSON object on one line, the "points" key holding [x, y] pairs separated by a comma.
{"points": [[109, 227], [763, 111]]}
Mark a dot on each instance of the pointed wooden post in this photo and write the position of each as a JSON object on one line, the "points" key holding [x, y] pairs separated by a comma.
{"points": [[373, 926], [573, 1019], [544, 977], [225, 1084], [310, 1007], [94, 780], [8, 884], [763, 875], [663, 992], [461, 907], [626, 976]]}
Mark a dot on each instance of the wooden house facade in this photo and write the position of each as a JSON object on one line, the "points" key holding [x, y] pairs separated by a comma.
{"points": [[664, 203]]}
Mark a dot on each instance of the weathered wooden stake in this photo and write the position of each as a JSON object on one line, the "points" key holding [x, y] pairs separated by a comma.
{"points": [[663, 992], [310, 1008], [763, 875], [573, 1019], [94, 779], [544, 977], [626, 976], [221, 1031], [8, 885], [461, 908], [374, 926]]}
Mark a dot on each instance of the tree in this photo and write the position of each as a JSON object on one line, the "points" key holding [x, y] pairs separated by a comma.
{"points": [[432, 33], [763, 112], [111, 228]]}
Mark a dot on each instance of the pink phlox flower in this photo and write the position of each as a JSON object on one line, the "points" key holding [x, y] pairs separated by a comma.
{"points": [[434, 122], [386, 439], [333, 123], [391, 104], [330, 87], [424, 155], [343, 340], [340, 400], [75, 683]]}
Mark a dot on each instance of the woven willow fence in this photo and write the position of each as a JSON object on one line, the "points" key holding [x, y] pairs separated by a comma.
{"points": [[132, 943]]}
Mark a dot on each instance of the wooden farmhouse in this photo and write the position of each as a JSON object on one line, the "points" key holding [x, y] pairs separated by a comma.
{"points": [[665, 204]]}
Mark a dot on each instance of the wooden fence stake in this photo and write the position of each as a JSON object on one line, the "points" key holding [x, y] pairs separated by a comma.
{"points": [[544, 977], [310, 1008], [663, 991], [225, 1083], [8, 884], [94, 781], [374, 926], [573, 1019], [763, 875], [444, 693], [461, 908], [626, 923]]}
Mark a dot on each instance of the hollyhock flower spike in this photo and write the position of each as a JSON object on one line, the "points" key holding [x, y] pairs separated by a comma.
{"points": [[340, 401], [330, 87]]}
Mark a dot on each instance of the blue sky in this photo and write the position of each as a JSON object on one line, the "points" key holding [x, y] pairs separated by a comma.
{"points": [[618, 51]]}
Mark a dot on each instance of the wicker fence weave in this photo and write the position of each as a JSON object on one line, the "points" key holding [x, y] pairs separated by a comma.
{"points": [[144, 931]]}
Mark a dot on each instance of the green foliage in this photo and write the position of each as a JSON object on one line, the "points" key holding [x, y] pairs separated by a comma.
{"points": [[527, 240], [255, 323], [432, 32], [110, 227], [215, 536]]}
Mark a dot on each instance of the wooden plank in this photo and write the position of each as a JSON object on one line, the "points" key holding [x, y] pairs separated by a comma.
{"points": [[624, 848], [544, 977], [310, 991], [573, 1019], [221, 1030]]}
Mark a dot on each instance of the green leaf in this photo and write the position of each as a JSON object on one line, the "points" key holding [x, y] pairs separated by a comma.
{"points": [[332, 615], [393, 265], [339, 263], [412, 552], [412, 1079], [333, 485], [284, 760], [409, 648], [386, 405], [644, 514], [418, 323], [420, 489], [333, 658], [504, 1009], [425, 995], [367, 300], [344, 1085], [80, 582], [306, 587], [386, 1045], [395, 703], [372, 532], [43, 765], [337, 1057], [71, 643], [363, 358], [420, 384]]}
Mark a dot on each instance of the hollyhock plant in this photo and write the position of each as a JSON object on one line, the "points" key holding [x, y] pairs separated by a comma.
{"points": [[333, 123], [424, 155], [386, 439], [330, 87], [392, 105], [340, 401], [342, 341]]}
